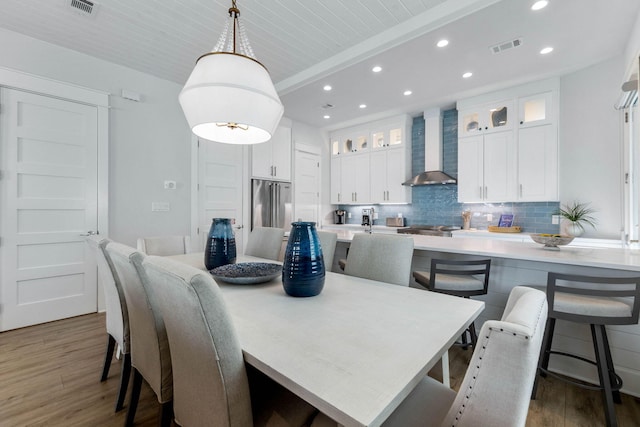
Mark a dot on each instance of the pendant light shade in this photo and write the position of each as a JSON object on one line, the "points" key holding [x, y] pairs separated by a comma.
{"points": [[229, 96]]}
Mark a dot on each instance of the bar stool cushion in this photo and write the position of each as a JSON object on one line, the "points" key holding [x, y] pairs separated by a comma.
{"points": [[449, 282], [592, 306]]}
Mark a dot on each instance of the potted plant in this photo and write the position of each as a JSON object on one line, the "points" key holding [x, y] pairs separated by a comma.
{"points": [[578, 215]]}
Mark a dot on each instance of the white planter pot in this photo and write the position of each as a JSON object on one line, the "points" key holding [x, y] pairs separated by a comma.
{"points": [[574, 230]]}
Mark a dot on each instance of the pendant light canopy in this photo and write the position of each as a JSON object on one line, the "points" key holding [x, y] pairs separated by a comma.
{"points": [[229, 96]]}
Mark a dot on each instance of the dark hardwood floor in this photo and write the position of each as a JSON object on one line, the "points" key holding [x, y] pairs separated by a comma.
{"points": [[49, 376]]}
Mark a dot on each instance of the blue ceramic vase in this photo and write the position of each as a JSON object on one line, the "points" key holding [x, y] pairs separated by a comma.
{"points": [[303, 268], [221, 244]]}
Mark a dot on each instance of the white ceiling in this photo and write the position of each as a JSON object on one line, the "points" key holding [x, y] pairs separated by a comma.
{"points": [[308, 43]]}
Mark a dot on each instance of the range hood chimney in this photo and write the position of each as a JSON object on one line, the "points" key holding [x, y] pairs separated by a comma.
{"points": [[432, 153]]}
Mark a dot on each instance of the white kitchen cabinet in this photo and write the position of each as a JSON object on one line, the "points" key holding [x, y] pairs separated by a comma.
{"points": [[538, 164], [336, 180], [388, 172], [355, 188], [370, 162], [486, 168], [490, 117], [536, 110], [272, 159]]}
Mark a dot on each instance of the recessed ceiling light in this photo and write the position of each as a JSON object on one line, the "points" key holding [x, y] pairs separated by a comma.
{"points": [[546, 50], [539, 5], [363, 105], [376, 69], [327, 87], [407, 92], [442, 43], [467, 75], [326, 116]]}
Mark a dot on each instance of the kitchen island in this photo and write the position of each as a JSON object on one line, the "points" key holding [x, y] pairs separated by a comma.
{"points": [[527, 263]]}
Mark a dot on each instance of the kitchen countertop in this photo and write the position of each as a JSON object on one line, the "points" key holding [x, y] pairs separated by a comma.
{"points": [[614, 258]]}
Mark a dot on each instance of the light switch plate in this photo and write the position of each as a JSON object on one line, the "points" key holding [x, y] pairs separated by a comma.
{"points": [[555, 219], [160, 207]]}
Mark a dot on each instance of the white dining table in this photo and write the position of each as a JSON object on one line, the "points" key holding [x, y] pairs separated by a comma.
{"points": [[354, 351]]}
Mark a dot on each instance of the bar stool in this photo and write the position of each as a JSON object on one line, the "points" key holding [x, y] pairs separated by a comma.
{"points": [[459, 278], [578, 300]]}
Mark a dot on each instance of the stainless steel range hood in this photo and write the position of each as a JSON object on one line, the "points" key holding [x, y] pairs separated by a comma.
{"points": [[432, 153]]}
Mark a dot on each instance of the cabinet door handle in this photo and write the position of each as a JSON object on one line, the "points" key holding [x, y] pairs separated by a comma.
{"points": [[338, 196], [521, 122], [520, 190], [275, 171], [481, 193], [486, 193], [356, 193]]}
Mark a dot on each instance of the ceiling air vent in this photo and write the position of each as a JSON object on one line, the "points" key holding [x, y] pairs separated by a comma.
{"points": [[83, 7], [501, 47], [327, 106]]}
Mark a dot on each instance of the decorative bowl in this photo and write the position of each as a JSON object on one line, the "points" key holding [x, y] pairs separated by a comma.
{"points": [[247, 273], [551, 241]]}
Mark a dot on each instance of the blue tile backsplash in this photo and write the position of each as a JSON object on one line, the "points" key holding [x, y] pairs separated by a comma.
{"points": [[438, 204]]}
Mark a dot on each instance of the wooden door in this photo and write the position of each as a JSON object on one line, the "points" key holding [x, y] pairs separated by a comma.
{"points": [[220, 188], [49, 195]]}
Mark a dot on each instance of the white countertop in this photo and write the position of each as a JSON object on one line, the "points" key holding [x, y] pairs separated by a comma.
{"points": [[615, 258]]}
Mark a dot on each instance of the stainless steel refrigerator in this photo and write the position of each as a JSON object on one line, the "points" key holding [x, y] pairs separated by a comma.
{"points": [[270, 204]]}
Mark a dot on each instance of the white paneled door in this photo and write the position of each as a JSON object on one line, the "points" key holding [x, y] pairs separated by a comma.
{"points": [[220, 187], [49, 200], [307, 187]]}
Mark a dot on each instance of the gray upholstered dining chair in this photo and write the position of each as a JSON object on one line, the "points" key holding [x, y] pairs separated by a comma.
{"points": [[265, 242], [328, 242], [150, 356], [212, 385], [117, 318], [382, 257], [496, 388], [164, 245]]}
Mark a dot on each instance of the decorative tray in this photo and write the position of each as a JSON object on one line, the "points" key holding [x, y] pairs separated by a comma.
{"points": [[496, 229], [247, 273]]}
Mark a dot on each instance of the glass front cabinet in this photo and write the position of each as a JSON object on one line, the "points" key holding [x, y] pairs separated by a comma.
{"points": [[378, 147], [486, 118]]}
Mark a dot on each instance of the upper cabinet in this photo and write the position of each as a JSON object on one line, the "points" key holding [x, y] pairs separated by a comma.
{"points": [[535, 110], [272, 159], [370, 162], [521, 163], [355, 140], [490, 117]]}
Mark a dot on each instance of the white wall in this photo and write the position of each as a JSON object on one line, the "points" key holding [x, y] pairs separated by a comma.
{"points": [[590, 143], [149, 140]]}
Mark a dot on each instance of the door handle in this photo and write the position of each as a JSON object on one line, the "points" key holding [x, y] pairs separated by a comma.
{"points": [[91, 233]]}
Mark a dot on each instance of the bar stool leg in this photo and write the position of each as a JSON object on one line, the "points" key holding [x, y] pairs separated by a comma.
{"points": [[612, 372], [543, 360], [603, 374]]}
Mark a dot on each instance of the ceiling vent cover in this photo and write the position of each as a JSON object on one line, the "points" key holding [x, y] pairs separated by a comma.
{"points": [[83, 7], [327, 106], [501, 47]]}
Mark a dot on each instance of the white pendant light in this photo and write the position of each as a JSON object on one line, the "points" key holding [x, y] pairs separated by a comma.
{"points": [[229, 96]]}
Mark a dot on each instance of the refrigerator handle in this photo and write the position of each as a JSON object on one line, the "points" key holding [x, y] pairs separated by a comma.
{"points": [[276, 207]]}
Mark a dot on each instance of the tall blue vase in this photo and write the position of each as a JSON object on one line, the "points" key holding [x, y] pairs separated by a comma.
{"points": [[221, 244], [303, 268]]}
